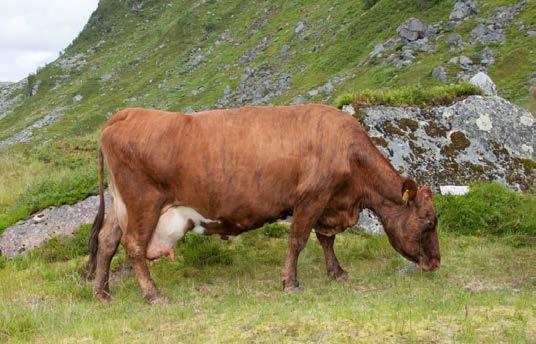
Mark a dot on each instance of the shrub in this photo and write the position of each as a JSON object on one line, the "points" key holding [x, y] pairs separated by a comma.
{"points": [[61, 248], [417, 95], [275, 230], [488, 208], [369, 3], [199, 250]]}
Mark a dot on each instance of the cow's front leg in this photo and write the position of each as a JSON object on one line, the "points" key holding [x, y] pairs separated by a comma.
{"points": [[304, 216], [332, 263]]}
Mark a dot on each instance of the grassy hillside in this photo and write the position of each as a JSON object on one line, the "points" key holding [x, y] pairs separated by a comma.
{"points": [[180, 55]]}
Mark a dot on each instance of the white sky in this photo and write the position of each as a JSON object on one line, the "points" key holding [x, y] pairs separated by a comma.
{"points": [[32, 32]]}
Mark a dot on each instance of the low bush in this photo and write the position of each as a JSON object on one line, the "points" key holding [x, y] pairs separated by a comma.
{"points": [[417, 95], [199, 250], [489, 208]]}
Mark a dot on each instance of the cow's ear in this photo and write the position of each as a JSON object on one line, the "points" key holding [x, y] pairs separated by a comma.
{"points": [[409, 190]]}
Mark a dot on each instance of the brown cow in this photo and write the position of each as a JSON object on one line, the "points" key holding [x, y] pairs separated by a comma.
{"points": [[229, 171]]}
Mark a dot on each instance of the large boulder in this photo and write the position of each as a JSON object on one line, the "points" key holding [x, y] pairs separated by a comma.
{"points": [[485, 83], [479, 138], [463, 9], [412, 30]]}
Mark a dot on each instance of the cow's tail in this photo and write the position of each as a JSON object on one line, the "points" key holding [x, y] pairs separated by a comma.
{"points": [[93, 242]]}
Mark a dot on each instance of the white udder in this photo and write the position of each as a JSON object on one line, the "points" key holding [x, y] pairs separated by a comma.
{"points": [[171, 227]]}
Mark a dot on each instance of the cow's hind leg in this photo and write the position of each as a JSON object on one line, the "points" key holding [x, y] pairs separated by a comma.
{"points": [[109, 238], [332, 263], [142, 221]]}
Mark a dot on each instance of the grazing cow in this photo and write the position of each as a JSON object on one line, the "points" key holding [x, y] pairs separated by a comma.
{"points": [[229, 171]]}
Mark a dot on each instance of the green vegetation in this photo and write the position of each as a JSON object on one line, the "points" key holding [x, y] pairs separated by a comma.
{"points": [[416, 95], [488, 208]]}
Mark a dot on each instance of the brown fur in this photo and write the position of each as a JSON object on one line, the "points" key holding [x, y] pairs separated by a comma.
{"points": [[248, 166]]}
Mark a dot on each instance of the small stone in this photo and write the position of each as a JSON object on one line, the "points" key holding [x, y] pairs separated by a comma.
{"points": [[485, 83], [454, 39], [531, 33], [463, 9], [412, 30], [78, 98], [348, 108], [300, 27], [465, 61], [285, 49], [440, 73], [453, 190]]}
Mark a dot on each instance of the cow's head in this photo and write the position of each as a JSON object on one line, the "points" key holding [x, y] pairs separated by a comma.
{"points": [[413, 234]]}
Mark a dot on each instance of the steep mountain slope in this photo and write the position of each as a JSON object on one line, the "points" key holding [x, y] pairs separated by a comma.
{"points": [[191, 55]]}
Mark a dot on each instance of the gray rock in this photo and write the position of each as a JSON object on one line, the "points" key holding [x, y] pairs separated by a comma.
{"points": [[369, 222], [285, 49], [531, 33], [300, 27], [440, 73], [491, 30], [463, 9], [252, 53], [77, 98], [26, 134], [257, 86], [485, 83], [454, 39], [11, 95], [479, 138], [53, 221], [412, 30], [35, 88], [487, 57], [422, 44], [464, 61], [106, 77]]}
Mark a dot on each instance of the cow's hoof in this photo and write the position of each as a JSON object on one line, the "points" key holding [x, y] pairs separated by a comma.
{"points": [[342, 276], [103, 297], [158, 300], [293, 289]]}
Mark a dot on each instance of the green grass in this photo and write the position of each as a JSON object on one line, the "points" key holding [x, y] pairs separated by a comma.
{"points": [[416, 95], [484, 292], [488, 208]]}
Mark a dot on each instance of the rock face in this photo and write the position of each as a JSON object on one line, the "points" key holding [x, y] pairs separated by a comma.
{"points": [[26, 134], [485, 83], [479, 138], [31, 233], [11, 96]]}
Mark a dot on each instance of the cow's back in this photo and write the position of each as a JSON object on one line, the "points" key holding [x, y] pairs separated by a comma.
{"points": [[251, 162]]}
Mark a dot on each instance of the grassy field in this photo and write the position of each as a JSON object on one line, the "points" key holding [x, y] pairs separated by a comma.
{"points": [[230, 291]]}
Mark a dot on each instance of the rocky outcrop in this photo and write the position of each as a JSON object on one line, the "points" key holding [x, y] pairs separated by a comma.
{"points": [[11, 95], [491, 30], [257, 86], [50, 222], [26, 134], [479, 138]]}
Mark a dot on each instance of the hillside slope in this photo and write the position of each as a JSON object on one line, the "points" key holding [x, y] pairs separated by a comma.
{"points": [[184, 55]]}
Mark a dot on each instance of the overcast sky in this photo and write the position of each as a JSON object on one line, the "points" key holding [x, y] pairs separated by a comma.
{"points": [[32, 32]]}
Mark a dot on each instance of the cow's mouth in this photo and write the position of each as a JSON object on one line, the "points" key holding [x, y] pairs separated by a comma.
{"points": [[429, 265]]}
